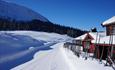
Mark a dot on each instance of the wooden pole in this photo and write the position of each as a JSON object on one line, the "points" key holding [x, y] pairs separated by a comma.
{"points": [[110, 52], [102, 53], [111, 44], [98, 53], [95, 51]]}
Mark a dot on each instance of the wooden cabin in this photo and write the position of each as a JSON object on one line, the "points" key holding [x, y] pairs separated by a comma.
{"points": [[87, 44], [110, 26], [86, 41], [106, 44]]}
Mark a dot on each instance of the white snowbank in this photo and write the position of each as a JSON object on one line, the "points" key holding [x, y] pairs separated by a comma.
{"points": [[42, 35], [17, 47], [46, 60], [60, 58]]}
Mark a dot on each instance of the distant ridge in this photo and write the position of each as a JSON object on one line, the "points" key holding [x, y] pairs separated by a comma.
{"points": [[17, 12], [16, 17]]}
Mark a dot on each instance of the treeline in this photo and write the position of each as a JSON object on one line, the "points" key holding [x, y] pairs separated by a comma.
{"points": [[37, 25]]}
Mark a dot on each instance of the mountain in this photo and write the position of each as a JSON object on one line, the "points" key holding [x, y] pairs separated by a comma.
{"points": [[16, 17], [17, 12]]}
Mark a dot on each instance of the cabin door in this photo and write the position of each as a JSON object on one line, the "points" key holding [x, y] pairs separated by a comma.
{"points": [[87, 45]]}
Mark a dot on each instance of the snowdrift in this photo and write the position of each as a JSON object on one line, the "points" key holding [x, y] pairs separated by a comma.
{"points": [[60, 58]]}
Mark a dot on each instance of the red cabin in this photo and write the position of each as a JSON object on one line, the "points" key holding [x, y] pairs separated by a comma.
{"points": [[106, 44], [87, 39]]}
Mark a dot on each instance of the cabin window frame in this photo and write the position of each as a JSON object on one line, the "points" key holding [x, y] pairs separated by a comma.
{"points": [[113, 30]]}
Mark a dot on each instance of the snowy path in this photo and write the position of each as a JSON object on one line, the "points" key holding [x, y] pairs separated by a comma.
{"points": [[46, 60], [60, 59]]}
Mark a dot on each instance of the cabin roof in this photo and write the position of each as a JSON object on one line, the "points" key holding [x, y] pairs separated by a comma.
{"points": [[81, 37], [106, 40], [92, 34], [109, 21]]}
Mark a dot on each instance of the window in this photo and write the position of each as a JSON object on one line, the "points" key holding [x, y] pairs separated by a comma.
{"points": [[113, 30]]}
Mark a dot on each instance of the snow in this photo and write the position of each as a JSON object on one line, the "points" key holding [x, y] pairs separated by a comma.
{"points": [[106, 39], [17, 47], [10, 43], [31, 48], [99, 38], [49, 55], [93, 34], [9, 10], [82, 37], [60, 58], [103, 39], [48, 37], [48, 60], [109, 21]]}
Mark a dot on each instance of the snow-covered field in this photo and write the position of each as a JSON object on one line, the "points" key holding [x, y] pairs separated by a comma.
{"points": [[30, 50], [60, 58], [44, 36], [17, 47]]}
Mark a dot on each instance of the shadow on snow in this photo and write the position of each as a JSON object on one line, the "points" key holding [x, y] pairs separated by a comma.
{"points": [[15, 49]]}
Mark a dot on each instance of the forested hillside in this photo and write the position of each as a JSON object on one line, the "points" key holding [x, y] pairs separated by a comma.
{"points": [[37, 25]]}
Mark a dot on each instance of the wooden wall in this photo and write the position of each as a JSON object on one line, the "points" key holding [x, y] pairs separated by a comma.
{"points": [[110, 29]]}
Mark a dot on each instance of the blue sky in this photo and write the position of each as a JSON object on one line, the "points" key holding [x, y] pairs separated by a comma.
{"points": [[83, 14]]}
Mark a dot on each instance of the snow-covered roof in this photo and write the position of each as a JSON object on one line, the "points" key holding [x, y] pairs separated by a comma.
{"points": [[81, 37], [109, 21], [93, 34], [106, 40]]}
